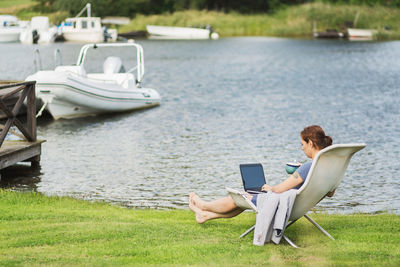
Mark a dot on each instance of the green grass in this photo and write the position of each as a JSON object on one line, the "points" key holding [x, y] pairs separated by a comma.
{"points": [[25, 11], [10, 3], [12, 6], [40, 230]]}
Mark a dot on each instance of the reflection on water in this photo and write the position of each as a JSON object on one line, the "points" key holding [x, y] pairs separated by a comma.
{"points": [[227, 102], [20, 177]]}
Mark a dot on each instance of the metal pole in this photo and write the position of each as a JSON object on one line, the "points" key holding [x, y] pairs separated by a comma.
{"points": [[248, 231], [319, 227]]}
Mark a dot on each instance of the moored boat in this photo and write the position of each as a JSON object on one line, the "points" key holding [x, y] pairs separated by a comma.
{"points": [[68, 91], [329, 33], [39, 31], [9, 29], [359, 34], [86, 29], [180, 33]]}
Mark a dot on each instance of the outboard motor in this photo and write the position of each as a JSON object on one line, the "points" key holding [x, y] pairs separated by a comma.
{"points": [[113, 65], [106, 34], [35, 36]]}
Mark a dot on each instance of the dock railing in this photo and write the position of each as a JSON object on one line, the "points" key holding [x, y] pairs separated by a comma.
{"points": [[26, 90]]}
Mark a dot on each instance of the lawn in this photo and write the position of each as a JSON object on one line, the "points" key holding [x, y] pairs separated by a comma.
{"points": [[41, 230]]}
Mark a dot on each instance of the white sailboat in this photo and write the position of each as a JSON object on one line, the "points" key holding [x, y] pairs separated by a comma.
{"points": [[68, 91]]}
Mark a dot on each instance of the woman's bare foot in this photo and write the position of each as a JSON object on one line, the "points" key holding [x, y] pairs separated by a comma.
{"points": [[191, 198], [196, 200], [192, 207], [201, 216]]}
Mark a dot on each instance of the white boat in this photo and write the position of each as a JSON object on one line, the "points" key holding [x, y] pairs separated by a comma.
{"points": [[38, 31], [180, 33], [68, 91], [362, 34], [9, 29], [86, 29], [112, 34]]}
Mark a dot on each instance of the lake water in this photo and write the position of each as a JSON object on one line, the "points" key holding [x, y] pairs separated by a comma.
{"points": [[225, 102]]}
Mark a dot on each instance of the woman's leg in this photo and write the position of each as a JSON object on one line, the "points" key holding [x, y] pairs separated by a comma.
{"points": [[222, 205], [203, 215]]}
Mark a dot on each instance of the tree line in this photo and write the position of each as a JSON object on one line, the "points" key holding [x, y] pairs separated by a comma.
{"points": [[130, 8]]}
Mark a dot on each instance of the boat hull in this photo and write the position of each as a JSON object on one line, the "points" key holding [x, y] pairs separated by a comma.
{"points": [[9, 35], [45, 37], [69, 96], [362, 34], [165, 32], [84, 36], [39, 26], [83, 29]]}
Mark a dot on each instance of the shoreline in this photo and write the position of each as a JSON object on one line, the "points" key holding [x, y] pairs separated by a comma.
{"points": [[296, 21], [291, 22]]}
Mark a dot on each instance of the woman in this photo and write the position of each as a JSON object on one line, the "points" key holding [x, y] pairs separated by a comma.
{"points": [[313, 139]]}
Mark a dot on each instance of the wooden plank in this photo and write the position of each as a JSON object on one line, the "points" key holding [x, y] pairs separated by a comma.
{"points": [[16, 84], [20, 101], [20, 156], [6, 82], [5, 109], [10, 95], [31, 113], [10, 103], [10, 146], [12, 91], [5, 130], [25, 132], [13, 152]]}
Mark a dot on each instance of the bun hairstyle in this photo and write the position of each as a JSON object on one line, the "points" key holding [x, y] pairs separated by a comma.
{"points": [[317, 136]]}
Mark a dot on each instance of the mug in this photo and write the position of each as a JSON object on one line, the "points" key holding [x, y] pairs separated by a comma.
{"points": [[291, 167]]}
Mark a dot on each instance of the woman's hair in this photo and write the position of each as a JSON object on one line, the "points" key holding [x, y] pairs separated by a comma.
{"points": [[317, 136]]}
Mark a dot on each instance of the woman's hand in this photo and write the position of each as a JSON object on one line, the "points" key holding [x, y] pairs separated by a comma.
{"points": [[266, 188]]}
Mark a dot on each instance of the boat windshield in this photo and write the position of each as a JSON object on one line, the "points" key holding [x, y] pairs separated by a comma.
{"points": [[97, 58]]}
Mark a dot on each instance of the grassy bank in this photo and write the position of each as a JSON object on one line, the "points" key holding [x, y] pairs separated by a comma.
{"points": [[25, 11], [37, 230], [294, 21], [13, 7]]}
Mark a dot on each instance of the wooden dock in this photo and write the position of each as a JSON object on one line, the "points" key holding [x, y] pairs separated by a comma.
{"points": [[28, 149]]}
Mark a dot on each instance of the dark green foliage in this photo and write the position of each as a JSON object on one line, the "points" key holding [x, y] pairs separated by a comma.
{"points": [[132, 7], [44, 5]]}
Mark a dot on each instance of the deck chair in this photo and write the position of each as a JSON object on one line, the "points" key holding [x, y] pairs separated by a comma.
{"points": [[325, 175]]}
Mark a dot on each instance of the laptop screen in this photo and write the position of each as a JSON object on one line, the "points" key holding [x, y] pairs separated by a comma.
{"points": [[252, 176]]}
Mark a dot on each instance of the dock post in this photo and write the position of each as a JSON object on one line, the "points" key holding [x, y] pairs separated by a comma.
{"points": [[35, 162]]}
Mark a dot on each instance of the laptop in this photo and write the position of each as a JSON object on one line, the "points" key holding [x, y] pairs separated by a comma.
{"points": [[253, 177]]}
